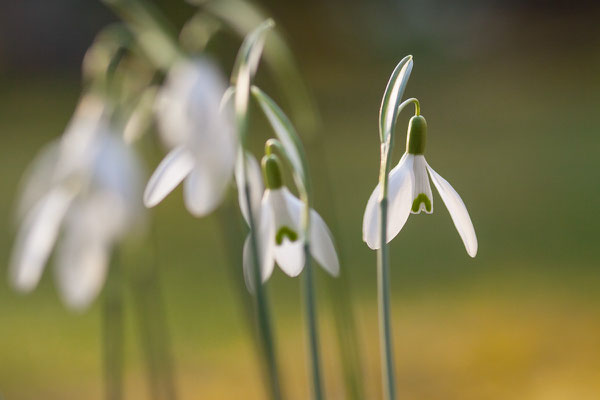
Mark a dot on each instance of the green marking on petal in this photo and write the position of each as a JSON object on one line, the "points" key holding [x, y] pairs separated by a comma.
{"points": [[421, 198], [283, 232]]}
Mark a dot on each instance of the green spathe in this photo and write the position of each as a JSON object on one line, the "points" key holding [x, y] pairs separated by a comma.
{"points": [[417, 135], [272, 171]]}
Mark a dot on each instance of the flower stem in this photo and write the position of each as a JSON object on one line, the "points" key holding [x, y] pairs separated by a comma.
{"points": [[112, 339], [262, 310], [311, 325], [151, 319], [383, 288], [383, 262]]}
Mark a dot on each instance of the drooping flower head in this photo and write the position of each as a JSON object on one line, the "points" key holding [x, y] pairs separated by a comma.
{"points": [[278, 215], [200, 134], [84, 192], [409, 192]]}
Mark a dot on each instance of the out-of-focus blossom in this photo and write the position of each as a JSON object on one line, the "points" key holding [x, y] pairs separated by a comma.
{"points": [[82, 195], [410, 191], [200, 134], [279, 226]]}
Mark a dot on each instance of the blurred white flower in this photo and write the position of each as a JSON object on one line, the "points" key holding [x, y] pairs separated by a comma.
{"points": [[83, 191], [201, 135], [410, 191], [278, 221]]}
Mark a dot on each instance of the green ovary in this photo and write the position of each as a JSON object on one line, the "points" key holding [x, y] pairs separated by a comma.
{"points": [[283, 232], [421, 198]]}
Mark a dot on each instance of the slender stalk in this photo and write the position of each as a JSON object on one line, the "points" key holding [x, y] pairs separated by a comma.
{"points": [[303, 184], [311, 325], [152, 325], [112, 339], [262, 310], [230, 227], [383, 288], [340, 294], [383, 262]]}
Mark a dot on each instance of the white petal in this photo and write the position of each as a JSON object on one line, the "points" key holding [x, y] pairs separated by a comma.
{"points": [[458, 211], [36, 238], [170, 172], [290, 257], [255, 184], [38, 179], [81, 265], [321, 244], [205, 187], [399, 204], [248, 264]]}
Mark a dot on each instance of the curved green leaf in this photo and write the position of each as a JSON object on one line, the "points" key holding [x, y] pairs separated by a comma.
{"points": [[392, 97], [285, 132], [241, 17], [244, 69]]}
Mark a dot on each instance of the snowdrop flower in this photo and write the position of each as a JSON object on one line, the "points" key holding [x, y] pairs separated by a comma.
{"points": [[201, 136], [84, 193], [280, 235], [410, 192]]}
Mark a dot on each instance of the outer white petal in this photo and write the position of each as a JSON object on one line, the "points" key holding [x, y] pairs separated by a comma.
{"points": [[170, 172], [205, 187], [290, 257], [248, 265], [36, 238], [321, 244], [38, 179], [268, 262], [266, 246], [81, 265], [458, 211], [254, 182], [116, 185], [399, 204]]}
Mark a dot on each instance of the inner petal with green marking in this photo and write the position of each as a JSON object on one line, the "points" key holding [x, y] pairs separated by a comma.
{"points": [[284, 232], [421, 199]]}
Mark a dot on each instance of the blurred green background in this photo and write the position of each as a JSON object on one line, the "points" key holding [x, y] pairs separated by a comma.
{"points": [[511, 94]]}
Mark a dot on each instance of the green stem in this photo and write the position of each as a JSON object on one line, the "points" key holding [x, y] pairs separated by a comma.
{"points": [[112, 340], [311, 325], [232, 236], [262, 310], [383, 288], [152, 325], [383, 263]]}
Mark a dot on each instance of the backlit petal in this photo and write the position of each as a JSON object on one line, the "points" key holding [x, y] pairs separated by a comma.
{"points": [[321, 243], [170, 172], [255, 184], [36, 238], [458, 211], [399, 203], [81, 265], [205, 187]]}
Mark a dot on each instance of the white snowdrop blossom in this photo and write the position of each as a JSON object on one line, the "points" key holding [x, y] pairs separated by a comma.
{"points": [[82, 195], [278, 220], [410, 192], [201, 137]]}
